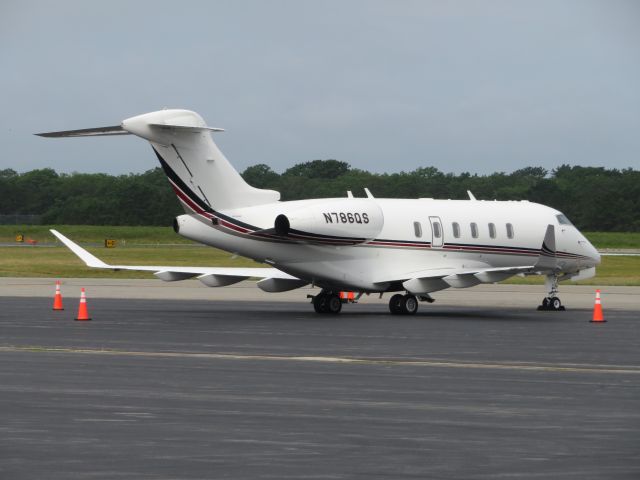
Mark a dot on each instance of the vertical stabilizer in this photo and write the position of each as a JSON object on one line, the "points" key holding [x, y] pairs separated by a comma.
{"points": [[195, 166]]}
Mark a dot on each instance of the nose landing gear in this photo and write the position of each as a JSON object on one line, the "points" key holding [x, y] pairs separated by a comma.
{"points": [[551, 302]]}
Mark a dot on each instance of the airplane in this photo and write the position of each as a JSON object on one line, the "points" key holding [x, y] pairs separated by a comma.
{"points": [[408, 247]]}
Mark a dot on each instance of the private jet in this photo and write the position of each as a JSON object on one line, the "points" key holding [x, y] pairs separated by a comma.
{"points": [[410, 248]]}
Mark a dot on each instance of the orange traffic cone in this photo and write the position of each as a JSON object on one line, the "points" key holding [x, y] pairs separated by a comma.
{"points": [[57, 300], [347, 297], [83, 314], [597, 310]]}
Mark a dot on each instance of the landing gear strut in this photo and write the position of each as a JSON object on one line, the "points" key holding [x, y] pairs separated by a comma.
{"points": [[327, 302], [551, 301], [403, 304]]}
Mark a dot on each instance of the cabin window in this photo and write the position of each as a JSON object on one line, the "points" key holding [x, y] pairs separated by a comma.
{"points": [[492, 230], [474, 230], [562, 220], [509, 230], [456, 229], [417, 228], [437, 231]]}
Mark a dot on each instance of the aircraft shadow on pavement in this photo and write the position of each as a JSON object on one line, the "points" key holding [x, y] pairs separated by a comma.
{"points": [[298, 313]]}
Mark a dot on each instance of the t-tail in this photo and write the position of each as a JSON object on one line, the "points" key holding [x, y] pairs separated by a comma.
{"points": [[201, 176]]}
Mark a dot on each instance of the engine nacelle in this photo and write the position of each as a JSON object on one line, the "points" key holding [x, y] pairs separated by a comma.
{"points": [[192, 228], [344, 221]]}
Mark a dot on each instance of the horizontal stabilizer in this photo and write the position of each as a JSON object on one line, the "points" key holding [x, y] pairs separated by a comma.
{"points": [[87, 132], [185, 128]]}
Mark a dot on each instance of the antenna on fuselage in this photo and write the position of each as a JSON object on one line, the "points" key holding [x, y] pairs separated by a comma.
{"points": [[471, 197], [349, 194], [369, 194]]}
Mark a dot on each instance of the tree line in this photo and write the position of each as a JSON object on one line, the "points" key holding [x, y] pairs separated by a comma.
{"points": [[594, 198]]}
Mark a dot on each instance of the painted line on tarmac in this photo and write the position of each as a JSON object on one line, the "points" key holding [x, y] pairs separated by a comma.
{"points": [[533, 367]]}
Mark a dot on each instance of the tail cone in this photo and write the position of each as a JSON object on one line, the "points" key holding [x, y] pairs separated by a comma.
{"points": [[57, 300], [83, 314], [598, 317]]}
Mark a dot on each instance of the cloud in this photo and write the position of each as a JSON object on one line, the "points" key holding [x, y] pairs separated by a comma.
{"points": [[385, 86]]}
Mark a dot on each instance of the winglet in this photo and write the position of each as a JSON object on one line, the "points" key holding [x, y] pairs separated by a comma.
{"points": [[549, 242], [86, 257], [86, 132], [547, 259]]}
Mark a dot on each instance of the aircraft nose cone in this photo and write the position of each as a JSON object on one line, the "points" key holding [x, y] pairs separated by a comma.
{"points": [[593, 253], [596, 256]]}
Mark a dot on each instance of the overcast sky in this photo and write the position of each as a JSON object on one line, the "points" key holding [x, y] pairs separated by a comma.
{"points": [[477, 86]]}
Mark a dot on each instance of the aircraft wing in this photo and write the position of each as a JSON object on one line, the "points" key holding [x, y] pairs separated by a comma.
{"points": [[440, 278], [432, 280], [272, 280]]}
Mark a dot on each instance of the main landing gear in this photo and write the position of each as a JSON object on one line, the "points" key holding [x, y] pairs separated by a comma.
{"points": [[327, 302], [551, 302], [331, 302], [403, 304]]}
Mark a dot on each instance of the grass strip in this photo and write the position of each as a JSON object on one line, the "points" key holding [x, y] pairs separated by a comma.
{"points": [[161, 246]]}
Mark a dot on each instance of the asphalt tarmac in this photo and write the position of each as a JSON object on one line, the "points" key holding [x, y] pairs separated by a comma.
{"points": [[168, 389]]}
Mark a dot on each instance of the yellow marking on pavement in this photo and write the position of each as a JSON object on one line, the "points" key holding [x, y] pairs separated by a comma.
{"points": [[533, 367]]}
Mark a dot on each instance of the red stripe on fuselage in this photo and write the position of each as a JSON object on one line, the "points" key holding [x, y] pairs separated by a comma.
{"points": [[185, 199], [192, 205]]}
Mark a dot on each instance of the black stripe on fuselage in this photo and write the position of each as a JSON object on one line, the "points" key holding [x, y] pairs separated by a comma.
{"points": [[173, 176], [327, 237], [465, 246], [337, 240]]}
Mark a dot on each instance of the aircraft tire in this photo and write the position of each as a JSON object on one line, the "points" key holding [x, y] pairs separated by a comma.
{"points": [[409, 304], [555, 304], [320, 303], [394, 304], [333, 304], [545, 305]]}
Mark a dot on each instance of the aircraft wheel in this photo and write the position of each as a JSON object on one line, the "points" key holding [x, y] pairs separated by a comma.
{"points": [[555, 304], [409, 304], [333, 304], [545, 305], [394, 304], [320, 303]]}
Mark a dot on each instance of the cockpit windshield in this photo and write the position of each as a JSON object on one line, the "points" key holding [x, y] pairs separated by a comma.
{"points": [[562, 220]]}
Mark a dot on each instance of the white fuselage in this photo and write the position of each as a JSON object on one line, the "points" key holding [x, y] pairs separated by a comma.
{"points": [[363, 244], [406, 243]]}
